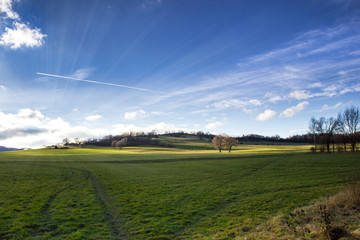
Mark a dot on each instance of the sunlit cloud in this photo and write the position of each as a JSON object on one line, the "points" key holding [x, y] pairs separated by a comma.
{"points": [[290, 112], [268, 114], [6, 9], [21, 35]]}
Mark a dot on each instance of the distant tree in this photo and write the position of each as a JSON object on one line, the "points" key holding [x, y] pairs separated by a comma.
{"points": [[229, 142], [313, 131], [200, 134], [77, 141], [122, 142], [343, 134], [218, 142], [327, 128], [66, 141], [113, 143], [351, 120]]}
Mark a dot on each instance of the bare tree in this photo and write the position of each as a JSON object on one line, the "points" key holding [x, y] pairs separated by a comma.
{"points": [[229, 142], [218, 142], [351, 120], [327, 128], [343, 134]]}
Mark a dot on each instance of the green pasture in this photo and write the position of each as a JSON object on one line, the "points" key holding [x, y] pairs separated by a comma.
{"points": [[187, 192]]}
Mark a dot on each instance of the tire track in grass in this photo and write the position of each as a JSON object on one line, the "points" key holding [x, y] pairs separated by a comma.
{"points": [[101, 197], [105, 203], [45, 211]]}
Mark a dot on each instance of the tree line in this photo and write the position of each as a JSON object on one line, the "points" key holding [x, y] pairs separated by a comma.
{"points": [[127, 139], [336, 133]]}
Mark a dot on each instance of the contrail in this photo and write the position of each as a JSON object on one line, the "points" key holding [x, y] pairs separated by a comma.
{"points": [[97, 82]]}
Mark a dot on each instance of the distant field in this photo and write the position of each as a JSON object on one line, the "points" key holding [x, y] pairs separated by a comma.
{"points": [[187, 192]]}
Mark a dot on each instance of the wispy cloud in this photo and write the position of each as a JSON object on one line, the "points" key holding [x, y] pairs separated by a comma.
{"points": [[3, 88], [82, 73], [326, 107], [237, 103], [295, 72], [151, 3], [290, 112], [268, 114], [134, 115]]}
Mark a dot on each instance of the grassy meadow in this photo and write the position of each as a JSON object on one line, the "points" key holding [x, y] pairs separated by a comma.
{"points": [[187, 192]]}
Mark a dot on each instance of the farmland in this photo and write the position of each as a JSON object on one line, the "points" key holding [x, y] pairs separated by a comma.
{"points": [[187, 192]]}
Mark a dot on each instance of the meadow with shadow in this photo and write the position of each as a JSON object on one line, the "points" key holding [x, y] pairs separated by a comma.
{"points": [[160, 193]]}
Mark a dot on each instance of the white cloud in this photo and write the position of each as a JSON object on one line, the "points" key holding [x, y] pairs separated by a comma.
{"points": [[300, 94], [22, 35], [327, 107], [93, 118], [134, 115], [3, 88], [214, 125], [6, 8], [290, 112], [268, 114]]}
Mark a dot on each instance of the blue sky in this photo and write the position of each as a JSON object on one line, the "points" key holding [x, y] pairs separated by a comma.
{"points": [[92, 68]]}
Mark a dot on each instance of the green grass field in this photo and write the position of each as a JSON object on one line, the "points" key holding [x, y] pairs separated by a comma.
{"points": [[188, 192]]}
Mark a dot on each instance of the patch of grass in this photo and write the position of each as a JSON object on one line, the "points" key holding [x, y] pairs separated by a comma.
{"points": [[159, 193], [337, 217]]}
